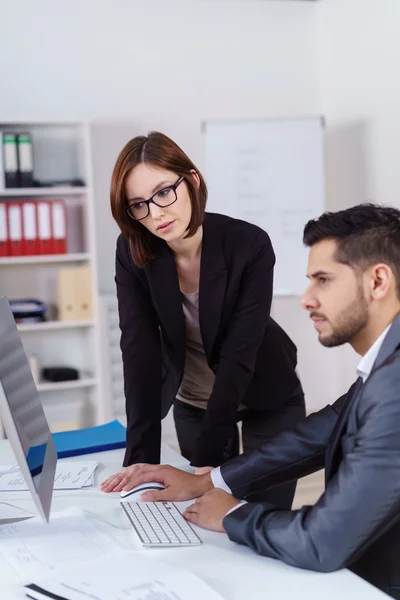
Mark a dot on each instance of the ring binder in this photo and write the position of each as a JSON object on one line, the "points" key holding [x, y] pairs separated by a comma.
{"points": [[10, 157], [4, 239], [25, 159]]}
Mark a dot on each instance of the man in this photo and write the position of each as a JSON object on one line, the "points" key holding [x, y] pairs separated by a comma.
{"points": [[353, 297]]}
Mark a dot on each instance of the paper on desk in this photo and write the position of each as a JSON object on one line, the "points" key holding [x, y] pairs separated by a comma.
{"points": [[7, 469], [69, 475], [124, 576], [33, 547]]}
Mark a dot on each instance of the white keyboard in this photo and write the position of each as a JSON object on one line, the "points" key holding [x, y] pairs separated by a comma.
{"points": [[160, 524]]}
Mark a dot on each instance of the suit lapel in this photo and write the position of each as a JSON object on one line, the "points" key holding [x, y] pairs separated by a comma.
{"points": [[213, 279], [164, 285], [331, 457], [389, 345]]}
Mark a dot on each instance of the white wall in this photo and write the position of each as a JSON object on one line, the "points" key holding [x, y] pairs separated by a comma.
{"points": [[158, 64], [359, 54], [169, 66], [164, 63], [360, 87]]}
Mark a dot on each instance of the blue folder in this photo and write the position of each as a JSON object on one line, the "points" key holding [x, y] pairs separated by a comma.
{"points": [[93, 439]]}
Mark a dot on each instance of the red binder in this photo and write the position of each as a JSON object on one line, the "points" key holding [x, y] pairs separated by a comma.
{"points": [[45, 234], [15, 228], [30, 240], [4, 241], [59, 227]]}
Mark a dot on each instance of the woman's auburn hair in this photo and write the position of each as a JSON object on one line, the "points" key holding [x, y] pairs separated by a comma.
{"points": [[159, 151]]}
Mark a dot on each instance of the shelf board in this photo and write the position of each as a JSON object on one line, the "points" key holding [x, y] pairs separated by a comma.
{"points": [[44, 191], [50, 386], [35, 122], [53, 325], [44, 258]]}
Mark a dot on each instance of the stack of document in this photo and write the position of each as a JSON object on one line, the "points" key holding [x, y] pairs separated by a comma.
{"points": [[74, 558], [123, 576], [32, 548], [70, 475]]}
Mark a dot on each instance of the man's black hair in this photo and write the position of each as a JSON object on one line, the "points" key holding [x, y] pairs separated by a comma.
{"points": [[366, 234]]}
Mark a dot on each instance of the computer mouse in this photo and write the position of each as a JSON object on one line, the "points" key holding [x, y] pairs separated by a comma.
{"points": [[135, 493]]}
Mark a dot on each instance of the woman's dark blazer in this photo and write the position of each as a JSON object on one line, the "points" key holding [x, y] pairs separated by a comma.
{"points": [[252, 357]]}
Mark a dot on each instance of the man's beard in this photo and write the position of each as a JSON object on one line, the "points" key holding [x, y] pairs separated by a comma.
{"points": [[349, 323]]}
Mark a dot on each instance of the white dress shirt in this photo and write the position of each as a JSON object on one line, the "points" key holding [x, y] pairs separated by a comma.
{"points": [[364, 368], [365, 365]]}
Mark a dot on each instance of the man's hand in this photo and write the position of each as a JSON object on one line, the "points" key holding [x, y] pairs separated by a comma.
{"points": [[202, 470], [209, 510], [179, 485]]}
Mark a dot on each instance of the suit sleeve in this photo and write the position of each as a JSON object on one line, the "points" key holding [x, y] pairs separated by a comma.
{"points": [[141, 357], [238, 355], [360, 501], [285, 457]]}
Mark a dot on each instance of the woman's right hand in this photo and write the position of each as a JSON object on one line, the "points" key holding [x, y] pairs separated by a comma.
{"points": [[178, 484], [116, 482]]}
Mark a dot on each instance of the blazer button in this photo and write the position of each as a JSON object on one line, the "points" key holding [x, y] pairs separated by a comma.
{"points": [[225, 455]]}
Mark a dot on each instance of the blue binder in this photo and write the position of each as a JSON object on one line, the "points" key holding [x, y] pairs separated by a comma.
{"points": [[93, 439]]}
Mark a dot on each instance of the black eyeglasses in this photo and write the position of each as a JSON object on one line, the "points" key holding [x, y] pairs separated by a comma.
{"points": [[141, 209]]}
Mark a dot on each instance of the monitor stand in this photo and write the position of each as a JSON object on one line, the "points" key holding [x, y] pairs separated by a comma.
{"points": [[10, 520]]}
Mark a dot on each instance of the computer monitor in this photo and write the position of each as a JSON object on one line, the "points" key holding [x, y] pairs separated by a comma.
{"points": [[23, 416]]}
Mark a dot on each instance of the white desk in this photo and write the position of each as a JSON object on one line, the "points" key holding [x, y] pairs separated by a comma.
{"points": [[234, 571]]}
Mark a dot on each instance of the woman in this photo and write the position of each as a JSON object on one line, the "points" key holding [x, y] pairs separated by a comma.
{"points": [[194, 295]]}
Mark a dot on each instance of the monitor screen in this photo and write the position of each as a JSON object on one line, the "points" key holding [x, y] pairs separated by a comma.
{"points": [[23, 416]]}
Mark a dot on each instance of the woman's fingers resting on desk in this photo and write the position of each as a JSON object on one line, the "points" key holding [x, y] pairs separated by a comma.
{"points": [[116, 482], [179, 485]]}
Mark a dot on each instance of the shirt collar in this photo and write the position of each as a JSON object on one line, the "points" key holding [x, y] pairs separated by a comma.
{"points": [[365, 365]]}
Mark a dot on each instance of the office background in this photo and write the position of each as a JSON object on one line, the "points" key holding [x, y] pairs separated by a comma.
{"points": [[129, 66]]}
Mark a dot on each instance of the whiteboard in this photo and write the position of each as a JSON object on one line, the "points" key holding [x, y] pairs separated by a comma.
{"points": [[269, 173]]}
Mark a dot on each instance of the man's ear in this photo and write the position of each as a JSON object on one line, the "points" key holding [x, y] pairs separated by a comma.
{"points": [[380, 281]]}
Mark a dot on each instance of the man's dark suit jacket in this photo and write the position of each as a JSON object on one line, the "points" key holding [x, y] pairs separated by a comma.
{"points": [[356, 522], [252, 357]]}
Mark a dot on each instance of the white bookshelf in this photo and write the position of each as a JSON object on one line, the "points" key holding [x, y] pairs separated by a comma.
{"points": [[43, 191], [52, 325], [41, 259], [50, 386], [112, 369], [62, 151]]}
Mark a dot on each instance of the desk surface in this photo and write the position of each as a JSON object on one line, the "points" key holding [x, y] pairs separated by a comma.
{"points": [[234, 571]]}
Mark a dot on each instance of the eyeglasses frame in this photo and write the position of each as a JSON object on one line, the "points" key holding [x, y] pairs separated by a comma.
{"points": [[147, 202]]}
